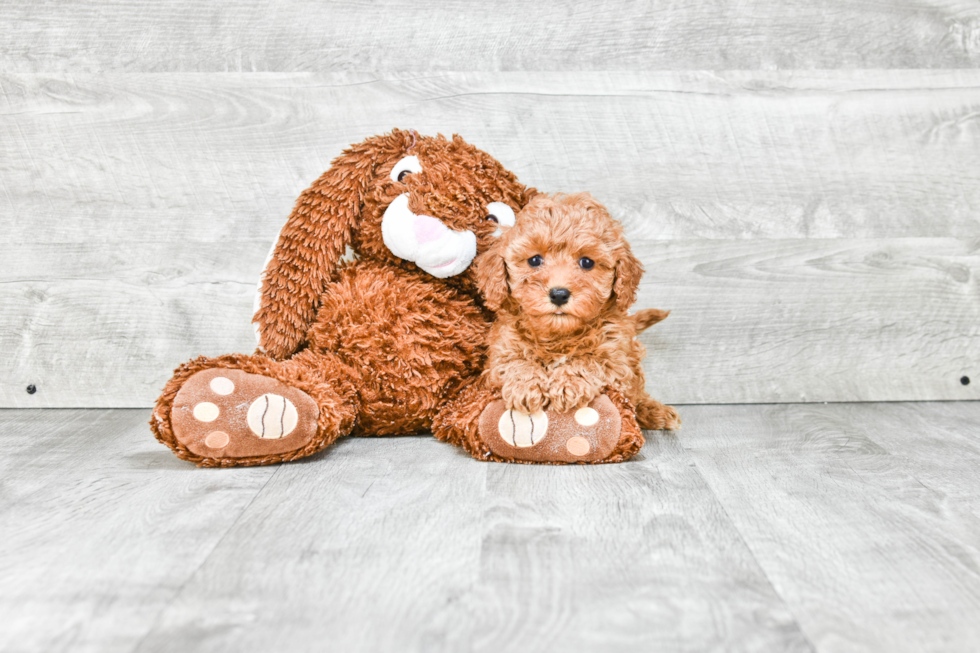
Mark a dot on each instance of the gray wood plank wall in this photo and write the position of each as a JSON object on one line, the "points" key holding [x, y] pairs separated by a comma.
{"points": [[448, 35], [813, 219]]}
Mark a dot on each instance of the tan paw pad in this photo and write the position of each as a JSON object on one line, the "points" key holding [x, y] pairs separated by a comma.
{"points": [[578, 446], [522, 430], [228, 413], [586, 416], [217, 440], [272, 416], [206, 412], [222, 385], [588, 434]]}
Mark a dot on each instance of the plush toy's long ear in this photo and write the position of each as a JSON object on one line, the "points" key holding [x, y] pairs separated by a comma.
{"points": [[490, 272], [313, 241], [628, 273]]}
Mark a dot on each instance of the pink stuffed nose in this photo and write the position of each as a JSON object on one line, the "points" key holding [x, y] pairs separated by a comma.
{"points": [[428, 229]]}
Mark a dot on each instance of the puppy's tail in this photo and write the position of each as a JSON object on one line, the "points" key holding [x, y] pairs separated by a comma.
{"points": [[647, 317]]}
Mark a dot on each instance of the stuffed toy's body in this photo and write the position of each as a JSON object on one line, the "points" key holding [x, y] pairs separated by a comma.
{"points": [[563, 380], [377, 346]]}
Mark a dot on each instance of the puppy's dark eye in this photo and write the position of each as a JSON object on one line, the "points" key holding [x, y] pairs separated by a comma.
{"points": [[586, 263], [535, 261], [493, 218], [403, 174]]}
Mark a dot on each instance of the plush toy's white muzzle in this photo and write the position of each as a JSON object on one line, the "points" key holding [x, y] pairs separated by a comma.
{"points": [[426, 241]]}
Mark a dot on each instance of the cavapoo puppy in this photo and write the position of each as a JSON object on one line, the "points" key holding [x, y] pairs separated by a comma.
{"points": [[561, 281]]}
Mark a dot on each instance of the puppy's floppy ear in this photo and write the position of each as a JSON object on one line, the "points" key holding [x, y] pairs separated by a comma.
{"points": [[628, 273], [528, 195], [314, 239], [490, 272]]}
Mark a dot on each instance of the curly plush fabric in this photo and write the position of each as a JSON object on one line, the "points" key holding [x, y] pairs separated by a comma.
{"points": [[379, 344]]}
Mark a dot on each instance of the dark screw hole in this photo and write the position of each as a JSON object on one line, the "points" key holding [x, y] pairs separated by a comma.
{"points": [[965, 380], [31, 389]]}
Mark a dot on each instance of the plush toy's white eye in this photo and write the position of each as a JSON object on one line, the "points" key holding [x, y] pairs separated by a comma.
{"points": [[405, 167], [501, 214]]}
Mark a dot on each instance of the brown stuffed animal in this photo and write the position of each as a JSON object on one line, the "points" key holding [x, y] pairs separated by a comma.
{"points": [[376, 346], [563, 381]]}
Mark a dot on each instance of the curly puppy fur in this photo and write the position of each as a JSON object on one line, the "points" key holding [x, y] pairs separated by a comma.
{"points": [[561, 281]]}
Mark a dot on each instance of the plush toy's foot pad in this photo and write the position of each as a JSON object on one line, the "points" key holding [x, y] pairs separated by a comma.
{"points": [[224, 413], [588, 434]]}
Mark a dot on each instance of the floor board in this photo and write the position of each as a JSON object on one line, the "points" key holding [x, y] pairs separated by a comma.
{"points": [[864, 516], [632, 557], [101, 526], [361, 548], [840, 527]]}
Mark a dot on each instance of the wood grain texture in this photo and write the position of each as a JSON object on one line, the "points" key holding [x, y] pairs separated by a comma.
{"points": [[455, 35], [357, 551], [630, 557], [102, 526], [213, 158], [409, 545], [755, 528], [136, 209], [864, 516], [110, 328], [812, 320], [767, 320]]}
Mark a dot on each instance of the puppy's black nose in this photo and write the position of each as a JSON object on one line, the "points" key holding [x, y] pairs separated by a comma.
{"points": [[559, 296]]}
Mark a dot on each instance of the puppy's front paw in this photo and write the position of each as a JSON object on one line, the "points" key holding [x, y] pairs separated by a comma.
{"points": [[524, 398], [569, 391]]}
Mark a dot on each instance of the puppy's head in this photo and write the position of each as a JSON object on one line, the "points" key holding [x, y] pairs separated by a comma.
{"points": [[563, 265]]}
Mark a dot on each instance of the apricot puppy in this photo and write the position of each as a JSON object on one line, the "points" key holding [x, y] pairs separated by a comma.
{"points": [[561, 281]]}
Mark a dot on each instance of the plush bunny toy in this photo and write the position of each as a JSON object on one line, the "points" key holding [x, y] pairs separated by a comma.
{"points": [[375, 346]]}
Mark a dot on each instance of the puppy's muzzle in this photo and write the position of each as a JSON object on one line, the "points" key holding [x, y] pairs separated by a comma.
{"points": [[559, 296]]}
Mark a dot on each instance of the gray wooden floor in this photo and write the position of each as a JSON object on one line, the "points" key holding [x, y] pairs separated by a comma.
{"points": [[839, 527]]}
